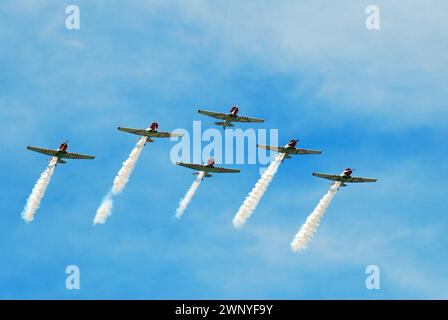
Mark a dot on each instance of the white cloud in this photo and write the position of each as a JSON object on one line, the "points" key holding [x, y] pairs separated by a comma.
{"points": [[395, 75]]}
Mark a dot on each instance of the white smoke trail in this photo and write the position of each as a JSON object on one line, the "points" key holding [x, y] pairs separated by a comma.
{"points": [[104, 210], [251, 201], [123, 175], [312, 222], [186, 200], [120, 181], [34, 199]]}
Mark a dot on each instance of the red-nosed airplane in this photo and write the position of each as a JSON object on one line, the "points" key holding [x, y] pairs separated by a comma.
{"points": [[150, 132], [230, 117], [289, 148], [60, 153], [209, 167], [344, 177]]}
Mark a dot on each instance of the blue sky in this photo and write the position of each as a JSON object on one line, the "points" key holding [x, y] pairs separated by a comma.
{"points": [[372, 100]]}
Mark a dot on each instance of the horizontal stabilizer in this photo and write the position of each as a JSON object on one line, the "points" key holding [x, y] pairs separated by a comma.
{"points": [[224, 124], [205, 168], [207, 175], [61, 161]]}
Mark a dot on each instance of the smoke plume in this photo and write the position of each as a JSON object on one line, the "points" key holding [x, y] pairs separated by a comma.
{"points": [[120, 181], [104, 210], [123, 175], [308, 229], [254, 197], [34, 199], [183, 204]]}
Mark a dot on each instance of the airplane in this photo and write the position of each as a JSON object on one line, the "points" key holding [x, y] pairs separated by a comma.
{"points": [[60, 153], [150, 132], [290, 148], [344, 177], [230, 117], [209, 167]]}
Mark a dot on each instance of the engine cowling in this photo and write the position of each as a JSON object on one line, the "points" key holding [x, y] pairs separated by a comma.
{"points": [[292, 143], [234, 110], [154, 126], [210, 162], [63, 147]]}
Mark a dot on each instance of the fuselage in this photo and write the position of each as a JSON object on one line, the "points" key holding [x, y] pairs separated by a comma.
{"points": [[62, 149], [347, 173]]}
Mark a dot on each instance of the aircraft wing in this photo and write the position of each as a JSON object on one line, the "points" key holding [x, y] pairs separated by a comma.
{"points": [[289, 150], [217, 115], [273, 148], [49, 152], [301, 151], [148, 133], [335, 177], [201, 167], [246, 119], [358, 179], [65, 155], [163, 134], [74, 155]]}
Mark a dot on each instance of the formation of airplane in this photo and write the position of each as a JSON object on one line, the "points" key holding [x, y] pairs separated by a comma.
{"points": [[61, 153], [227, 119], [209, 167], [230, 117], [150, 132], [289, 148], [344, 177]]}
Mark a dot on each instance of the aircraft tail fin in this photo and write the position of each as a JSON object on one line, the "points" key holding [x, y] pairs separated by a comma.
{"points": [[61, 161], [287, 156], [342, 185]]}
